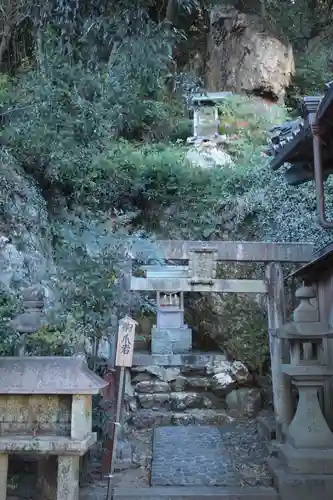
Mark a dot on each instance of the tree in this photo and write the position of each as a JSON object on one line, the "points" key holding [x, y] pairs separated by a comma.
{"points": [[12, 14], [302, 21]]}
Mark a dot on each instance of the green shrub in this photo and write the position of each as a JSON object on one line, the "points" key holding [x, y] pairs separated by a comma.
{"points": [[313, 71], [8, 337]]}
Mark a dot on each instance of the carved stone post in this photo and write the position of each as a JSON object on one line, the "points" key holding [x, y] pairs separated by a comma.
{"points": [[282, 392]]}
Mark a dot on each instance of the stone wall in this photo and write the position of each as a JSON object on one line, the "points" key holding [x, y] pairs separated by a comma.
{"points": [[210, 389]]}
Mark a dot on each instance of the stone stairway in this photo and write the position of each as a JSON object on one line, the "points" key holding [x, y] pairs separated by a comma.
{"points": [[186, 389], [198, 461], [201, 449]]}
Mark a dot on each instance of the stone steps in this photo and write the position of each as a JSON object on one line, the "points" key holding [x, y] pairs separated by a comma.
{"points": [[198, 493], [143, 419], [179, 401]]}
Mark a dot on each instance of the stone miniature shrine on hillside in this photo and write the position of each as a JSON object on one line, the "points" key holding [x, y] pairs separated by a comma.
{"points": [[46, 412], [205, 113]]}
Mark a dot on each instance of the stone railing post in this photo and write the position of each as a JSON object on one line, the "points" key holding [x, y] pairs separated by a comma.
{"points": [[282, 392], [307, 453]]}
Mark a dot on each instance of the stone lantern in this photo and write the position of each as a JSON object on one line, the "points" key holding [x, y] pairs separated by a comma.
{"points": [[32, 318], [308, 448]]}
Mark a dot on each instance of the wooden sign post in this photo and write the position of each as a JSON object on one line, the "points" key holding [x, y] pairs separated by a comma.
{"points": [[124, 357]]}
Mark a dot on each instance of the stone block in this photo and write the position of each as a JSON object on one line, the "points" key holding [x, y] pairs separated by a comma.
{"points": [[147, 418], [189, 361], [68, 478], [152, 386], [3, 476], [194, 492], [306, 461], [81, 418], [244, 401], [124, 454], [171, 340], [267, 427], [154, 401], [292, 486], [170, 318]]}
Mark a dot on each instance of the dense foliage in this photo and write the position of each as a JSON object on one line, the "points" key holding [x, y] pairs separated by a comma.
{"points": [[93, 114]]}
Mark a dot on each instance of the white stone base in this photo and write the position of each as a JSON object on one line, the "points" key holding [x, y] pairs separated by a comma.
{"points": [[171, 340]]}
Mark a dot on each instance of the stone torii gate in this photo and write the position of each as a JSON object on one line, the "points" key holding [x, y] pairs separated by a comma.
{"points": [[199, 275]]}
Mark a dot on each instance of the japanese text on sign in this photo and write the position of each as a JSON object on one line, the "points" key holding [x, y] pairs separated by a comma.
{"points": [[125, 344]]}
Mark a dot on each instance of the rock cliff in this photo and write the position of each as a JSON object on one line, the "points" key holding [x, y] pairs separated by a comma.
{"points": [[25, 239], [243, 55]]}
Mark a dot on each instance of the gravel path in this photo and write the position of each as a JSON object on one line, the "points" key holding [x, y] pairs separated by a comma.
{"points": [[247, 451]]}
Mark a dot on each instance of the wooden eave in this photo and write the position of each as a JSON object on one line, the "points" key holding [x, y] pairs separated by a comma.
{"points": [[321, 263]]}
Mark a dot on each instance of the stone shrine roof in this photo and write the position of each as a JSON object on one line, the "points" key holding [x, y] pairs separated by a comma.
{"points": [[47, 375]]}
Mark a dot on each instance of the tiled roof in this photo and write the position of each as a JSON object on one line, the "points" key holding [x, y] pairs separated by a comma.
{"points": [[291, 142]]}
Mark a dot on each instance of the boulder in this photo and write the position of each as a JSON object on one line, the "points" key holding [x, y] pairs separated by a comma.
{"points": [[208, 155], [218, 366], [206, 401], [179, 384], [165, 374], [240, 373], [223, 382], [140, 377], [171, 374], [152, 386], [183, 400], [245, 55], [244, 401], [201, 417], [154, 401], [198, 383], [25, 247], [145, 419]]}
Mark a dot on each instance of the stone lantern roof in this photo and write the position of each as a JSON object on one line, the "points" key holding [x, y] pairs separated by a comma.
{"points": [[47, 375]]}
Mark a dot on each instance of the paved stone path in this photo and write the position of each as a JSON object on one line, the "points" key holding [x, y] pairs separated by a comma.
{"points": [[191, 455]]}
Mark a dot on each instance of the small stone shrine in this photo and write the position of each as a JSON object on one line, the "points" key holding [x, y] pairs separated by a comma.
{"points": [[170, 335], [205, 114], [304, 468], [46, 411]]}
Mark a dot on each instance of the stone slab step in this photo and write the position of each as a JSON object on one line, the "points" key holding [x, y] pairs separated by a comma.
{"points": [[196, 493], [145, 418]]}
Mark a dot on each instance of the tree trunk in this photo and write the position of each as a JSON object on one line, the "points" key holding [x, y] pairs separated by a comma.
{"points": [[6, 34], [170, 12]]}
